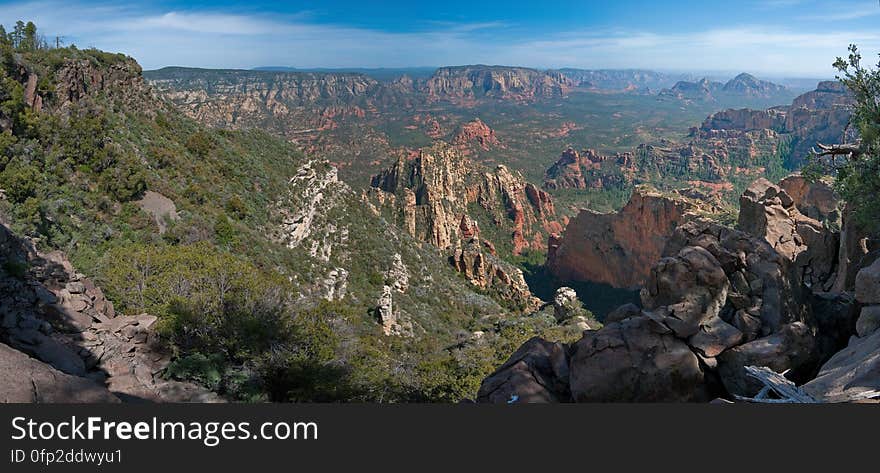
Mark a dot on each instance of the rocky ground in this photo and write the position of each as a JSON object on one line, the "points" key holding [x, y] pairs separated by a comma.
{"points": [[772, 292], [62, 341]]}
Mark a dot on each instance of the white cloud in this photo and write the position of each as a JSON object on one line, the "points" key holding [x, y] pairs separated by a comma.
{"points": [[219, 39]]}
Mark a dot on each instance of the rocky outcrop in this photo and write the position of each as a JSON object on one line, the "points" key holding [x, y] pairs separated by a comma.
{"points": [[536, 373], [476, 134], [585, 170], [770, 212], [618, 248], [60, 317], [635, 360], [566, 304], [816, 200], [488, 272], [463, 84], [721, 299], [79, 79], [852, 373], [314, 184], [429, 194]]}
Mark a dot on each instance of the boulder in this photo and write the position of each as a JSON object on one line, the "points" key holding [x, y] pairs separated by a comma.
{"points": [[850, 373], [623, 312], [24, 379], [538, 372], [635, 360], [566, 304], [768, 212], [691, 286], [869, 321], [868, 284], [790, 348]]}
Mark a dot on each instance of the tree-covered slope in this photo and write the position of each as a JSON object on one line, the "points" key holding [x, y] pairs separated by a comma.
{"points": [[271, 278]]}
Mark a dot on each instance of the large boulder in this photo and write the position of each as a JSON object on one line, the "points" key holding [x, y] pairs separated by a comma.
{"points": [[566, 304], [816, 200], [635, 360], [691, 286], [850, 373], [538, 372], [868, 284], [769, 212], [24, 379], [792, 348]]}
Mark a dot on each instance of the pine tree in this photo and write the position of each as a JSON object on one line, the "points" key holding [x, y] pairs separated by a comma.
{"points": [[29, 39], [4, 38], [17, 34]]}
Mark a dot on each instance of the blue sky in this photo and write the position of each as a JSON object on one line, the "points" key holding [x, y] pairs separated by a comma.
{"points": [[769, 37]]}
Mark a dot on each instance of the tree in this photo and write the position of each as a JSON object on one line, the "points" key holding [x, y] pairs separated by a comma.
{"points": [[858, 173], [29, 40], [17, 34], [4, 37]]}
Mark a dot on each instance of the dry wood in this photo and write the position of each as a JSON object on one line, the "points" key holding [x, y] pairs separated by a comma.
{"points": [[785, 390]]}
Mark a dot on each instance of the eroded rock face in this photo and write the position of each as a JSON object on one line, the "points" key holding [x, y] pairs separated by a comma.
{"points": [[850, 373], [635, 360], [618, 248], [312, 191], [484, 270], [536, 373], [393, 323], [462, 84], [582, 170], [768, 211], [430, 194], [816, 200], [433, 196], [476, 134], [78, 79]]}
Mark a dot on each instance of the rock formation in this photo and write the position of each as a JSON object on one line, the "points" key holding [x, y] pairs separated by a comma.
{"points": [[537, 372], [618, 248], [462, 84], [770, 212], [743, 86], [430, 194], [443, 198], [721, 299], [476, 134], [851, 374]]}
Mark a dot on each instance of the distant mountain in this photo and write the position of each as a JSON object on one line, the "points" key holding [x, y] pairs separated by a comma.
{"points": [[383, 74], [621, 80], [462, 83], [743, 87]]}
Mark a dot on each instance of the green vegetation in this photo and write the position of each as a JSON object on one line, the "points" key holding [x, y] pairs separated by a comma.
{"points": [[857, 167], [242, 313]]}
